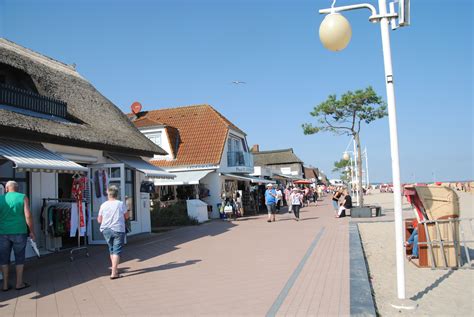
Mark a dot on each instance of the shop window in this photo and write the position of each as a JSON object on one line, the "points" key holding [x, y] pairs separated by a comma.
{"points": [[130, 193], [186, 192], [115, 172], [166, 193], [8, 173]]}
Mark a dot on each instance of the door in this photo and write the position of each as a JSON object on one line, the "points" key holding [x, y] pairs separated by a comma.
{"points": [[101, 177]]}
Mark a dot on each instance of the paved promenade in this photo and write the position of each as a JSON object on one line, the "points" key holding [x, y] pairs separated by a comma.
{"points": [[246, 267]]}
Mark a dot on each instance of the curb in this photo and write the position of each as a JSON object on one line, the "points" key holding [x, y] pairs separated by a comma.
{"points": [[362, 303]]}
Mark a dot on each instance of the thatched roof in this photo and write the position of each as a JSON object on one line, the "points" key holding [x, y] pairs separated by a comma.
{"points": [[275, 157], [95, 121], [310, 172]]}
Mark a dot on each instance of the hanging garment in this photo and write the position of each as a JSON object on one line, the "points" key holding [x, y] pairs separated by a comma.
{"points": [[104, 183], [74, 220], [78, 187], [97, 190]]}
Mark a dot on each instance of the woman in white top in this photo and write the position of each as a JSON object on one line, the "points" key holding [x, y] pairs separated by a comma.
{"points": [[296, 201], [279, 196], [112, 216]]}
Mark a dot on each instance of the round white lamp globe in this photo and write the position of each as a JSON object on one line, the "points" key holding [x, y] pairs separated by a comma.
{"points": [[335, 32], [346, 156]]}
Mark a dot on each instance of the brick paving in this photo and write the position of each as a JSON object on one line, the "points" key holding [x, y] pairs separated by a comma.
{"points": [[215, 269]]}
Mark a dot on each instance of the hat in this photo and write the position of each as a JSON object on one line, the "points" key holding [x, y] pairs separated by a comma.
{"points": [[295, 188], [269, 185]]}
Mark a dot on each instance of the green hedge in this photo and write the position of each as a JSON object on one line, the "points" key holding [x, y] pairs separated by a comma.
{"points": [[174, 215]]}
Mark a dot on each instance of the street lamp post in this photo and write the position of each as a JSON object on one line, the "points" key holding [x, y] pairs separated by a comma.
{"points": [[367, 168], [335, 33]]}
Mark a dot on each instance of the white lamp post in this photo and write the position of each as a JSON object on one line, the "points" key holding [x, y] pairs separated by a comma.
{"points": [[335, 34]]}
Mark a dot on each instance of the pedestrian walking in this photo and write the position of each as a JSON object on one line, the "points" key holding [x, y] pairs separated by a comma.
{"points": [[112, 216], [15, 220], [296, 202], [270, 201], [335, 200], [306, 196], [288, 199], [279, 201]]}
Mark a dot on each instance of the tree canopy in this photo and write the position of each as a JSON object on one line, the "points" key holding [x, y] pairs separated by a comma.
{"points": [[340, 166], [345, 115]]}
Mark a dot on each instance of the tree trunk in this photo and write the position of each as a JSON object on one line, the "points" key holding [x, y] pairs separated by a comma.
{"points": [[359, 170]]}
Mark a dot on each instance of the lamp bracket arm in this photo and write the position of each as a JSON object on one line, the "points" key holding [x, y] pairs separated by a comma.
{"points": [[374, 17]]}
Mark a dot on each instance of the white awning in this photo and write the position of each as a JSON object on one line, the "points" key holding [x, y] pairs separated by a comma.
{"points": [[143, 166], [184, 178], [35, 158], [248, 178]]}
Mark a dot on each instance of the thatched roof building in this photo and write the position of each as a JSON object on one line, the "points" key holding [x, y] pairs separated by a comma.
{"points": [[275, 157], [91, 121]]}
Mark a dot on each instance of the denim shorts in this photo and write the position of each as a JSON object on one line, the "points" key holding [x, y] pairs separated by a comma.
{"points": [[15, 242], [271, 208], [115, 240]]}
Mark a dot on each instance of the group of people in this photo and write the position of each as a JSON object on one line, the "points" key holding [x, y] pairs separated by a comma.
{"points": [[294, 196], [16, 226], [341, 201]]}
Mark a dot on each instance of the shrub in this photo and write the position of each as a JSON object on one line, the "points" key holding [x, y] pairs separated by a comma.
{"points": [[173, 215]]}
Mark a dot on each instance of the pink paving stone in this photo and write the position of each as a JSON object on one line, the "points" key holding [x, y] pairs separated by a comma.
{"points": [[216, 269]]}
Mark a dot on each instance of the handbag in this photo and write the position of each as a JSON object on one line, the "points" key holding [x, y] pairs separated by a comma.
{"points": [[228, 209]]}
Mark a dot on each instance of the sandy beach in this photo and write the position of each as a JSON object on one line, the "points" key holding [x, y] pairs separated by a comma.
{"points": [[437, 292]]}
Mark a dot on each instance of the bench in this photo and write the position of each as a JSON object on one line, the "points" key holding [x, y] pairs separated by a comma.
{"points": [[366, 211]]}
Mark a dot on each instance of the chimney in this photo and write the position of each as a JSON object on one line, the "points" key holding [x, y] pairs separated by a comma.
{"points": [[255, 148]]}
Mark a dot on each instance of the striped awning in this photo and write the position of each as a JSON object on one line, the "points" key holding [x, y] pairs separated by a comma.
{"points": [[143, 166], [34, 157]]}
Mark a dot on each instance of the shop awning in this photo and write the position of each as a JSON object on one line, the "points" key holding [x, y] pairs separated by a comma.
{"points": [[252, 179], [184, 178], [143, 166], [35, 158], [283, 176]]}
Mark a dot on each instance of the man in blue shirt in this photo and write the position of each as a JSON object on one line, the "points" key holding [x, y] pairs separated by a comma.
{"points": [[270, 201]]}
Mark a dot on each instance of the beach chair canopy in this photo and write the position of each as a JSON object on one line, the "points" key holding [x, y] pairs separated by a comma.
{"points": [[413, 198], [439, 202], [433, 202]]}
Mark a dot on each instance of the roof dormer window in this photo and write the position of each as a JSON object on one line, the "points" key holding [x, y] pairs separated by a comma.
{"points": [[18, 93], [155, 137]]}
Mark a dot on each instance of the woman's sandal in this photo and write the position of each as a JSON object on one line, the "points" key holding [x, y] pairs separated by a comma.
{"points": [[115, 277]]}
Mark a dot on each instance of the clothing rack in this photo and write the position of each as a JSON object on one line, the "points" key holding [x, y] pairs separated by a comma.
{"points": [[79, 246]]}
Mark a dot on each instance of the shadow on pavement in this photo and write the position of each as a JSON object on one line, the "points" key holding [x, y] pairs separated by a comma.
{"points": [[54, 273], [435, 284], [168, 266]]}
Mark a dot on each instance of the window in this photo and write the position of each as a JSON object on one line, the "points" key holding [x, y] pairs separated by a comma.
{"points": [[234, 144], [130, 193], [167, 193], [155, 138], [8, 173]]}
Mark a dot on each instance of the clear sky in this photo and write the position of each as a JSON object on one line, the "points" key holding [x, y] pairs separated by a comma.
{"points": [[182, 52]]}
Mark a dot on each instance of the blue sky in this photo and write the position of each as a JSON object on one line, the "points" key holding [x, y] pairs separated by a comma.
{"points": [[182, 52]]}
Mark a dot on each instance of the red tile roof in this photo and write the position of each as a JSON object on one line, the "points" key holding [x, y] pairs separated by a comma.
{"points": [[197, 132]]}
